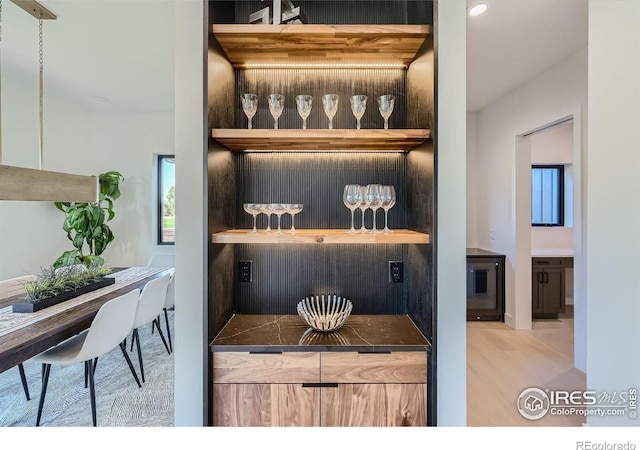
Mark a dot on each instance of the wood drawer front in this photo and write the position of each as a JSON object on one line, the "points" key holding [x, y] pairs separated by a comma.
{"points": [[353, 367], [244, 367], [547, 262]]}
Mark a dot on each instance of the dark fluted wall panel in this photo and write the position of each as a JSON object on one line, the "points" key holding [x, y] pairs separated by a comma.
{"points": [[283, 275], [334, 11], [317, 82], [317, 181], [220, 192]]}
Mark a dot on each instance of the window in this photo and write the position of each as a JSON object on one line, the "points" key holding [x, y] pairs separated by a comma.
{"points": [[547, 196], [166, 199]]}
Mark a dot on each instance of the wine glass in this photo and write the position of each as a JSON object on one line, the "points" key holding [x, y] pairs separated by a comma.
{"points": [[293, 209], [266, 210], [330, 103], [249, 105], [385, 105], [358, 107], [278, 209], [351, 201], [303, 102], [374, 201], [276, 105], [362, 204], [254, 210], [388, 200]]}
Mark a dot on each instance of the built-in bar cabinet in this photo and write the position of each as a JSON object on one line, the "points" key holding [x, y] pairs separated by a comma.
{"points": [[260, 348]]}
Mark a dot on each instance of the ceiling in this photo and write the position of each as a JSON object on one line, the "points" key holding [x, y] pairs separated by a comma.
{"points": [[100, 55], [515, 40], [111, 55]]}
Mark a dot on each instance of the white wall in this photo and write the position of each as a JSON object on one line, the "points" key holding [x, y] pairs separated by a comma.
{"points": [[83, 142], [451, 217], [550, 96], [613, 342], [191, 335], [554, 145], [472, 180]]}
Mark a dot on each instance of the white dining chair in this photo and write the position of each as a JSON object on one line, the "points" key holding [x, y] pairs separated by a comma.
{"points": [[168, 304], [109, 328], [10, 288], [150, 305]]}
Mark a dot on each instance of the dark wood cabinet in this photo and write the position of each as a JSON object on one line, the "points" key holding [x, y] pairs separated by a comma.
{"points": [[485, 285], [548, 287]]}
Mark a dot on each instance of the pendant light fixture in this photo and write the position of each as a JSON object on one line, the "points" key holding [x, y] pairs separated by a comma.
{"points": [[23, 184]]}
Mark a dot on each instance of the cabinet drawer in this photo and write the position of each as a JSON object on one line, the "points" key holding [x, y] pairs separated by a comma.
{"points": [[547, 262], [353, 367], [244, 367]]}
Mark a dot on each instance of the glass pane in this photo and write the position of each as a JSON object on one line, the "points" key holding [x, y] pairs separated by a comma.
{"points": [[167, 180], [545, 195], [481, 286]]}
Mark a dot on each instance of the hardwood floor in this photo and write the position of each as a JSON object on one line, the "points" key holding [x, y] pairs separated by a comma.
{"points": [[502, 362]]}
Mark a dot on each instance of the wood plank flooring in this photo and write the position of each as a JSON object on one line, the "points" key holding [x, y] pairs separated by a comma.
{"points": [[502, 362]]}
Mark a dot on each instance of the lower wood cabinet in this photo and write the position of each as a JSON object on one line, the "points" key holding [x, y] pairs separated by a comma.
{"points": [[266, 405], [320, 389]]}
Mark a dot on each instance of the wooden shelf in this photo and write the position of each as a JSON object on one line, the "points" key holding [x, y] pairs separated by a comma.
{"points": [[246, 45], [318, 237], [320, 140]]}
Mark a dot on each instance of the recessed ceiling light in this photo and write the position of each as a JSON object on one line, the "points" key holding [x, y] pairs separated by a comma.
{"points": [[478, 9]]}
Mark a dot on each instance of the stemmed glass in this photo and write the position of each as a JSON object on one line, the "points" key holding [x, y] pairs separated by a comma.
{"points": [[362, 204], [358, 107], [254, 209], [278, 209], [249, 105], [276, 105], [385, 105], [330, 103], [267, 210], [303, 102], [388, 200], [293, 209], [351, 201], [374, 201]]}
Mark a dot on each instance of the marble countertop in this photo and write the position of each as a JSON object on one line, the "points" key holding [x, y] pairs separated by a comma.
{"points": [[277, 333], [482, 252]]}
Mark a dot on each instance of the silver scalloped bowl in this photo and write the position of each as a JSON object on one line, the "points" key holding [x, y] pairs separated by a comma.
{"points": [[324, 314]]}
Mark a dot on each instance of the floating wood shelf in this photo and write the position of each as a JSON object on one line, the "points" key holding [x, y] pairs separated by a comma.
{"points": [[246, 45], [318, 237], [320, 140]]}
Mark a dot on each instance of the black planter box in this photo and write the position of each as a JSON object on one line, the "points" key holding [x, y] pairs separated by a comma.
{"points": [[27, 307]]}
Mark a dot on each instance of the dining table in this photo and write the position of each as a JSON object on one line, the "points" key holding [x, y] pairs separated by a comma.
{"points": [[25, 335]]}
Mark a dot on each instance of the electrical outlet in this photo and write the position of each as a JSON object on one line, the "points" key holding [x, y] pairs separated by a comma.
{"points": [[396, 272], [492, 235], [246, 272]]}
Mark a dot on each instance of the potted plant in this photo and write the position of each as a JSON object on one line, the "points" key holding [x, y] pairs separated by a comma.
{"points": [[54, 286], [86, 223]]}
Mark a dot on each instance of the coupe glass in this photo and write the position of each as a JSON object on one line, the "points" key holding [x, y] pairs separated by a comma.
{"points": [[358, 107], [385, 105], [278, 209], [276, 105], [388, 200], [373, 200], [267, 210], [351, 201], [303, 102], [362, 204], [330, 103], [249, 105], [254, 210], [293, 209]]}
